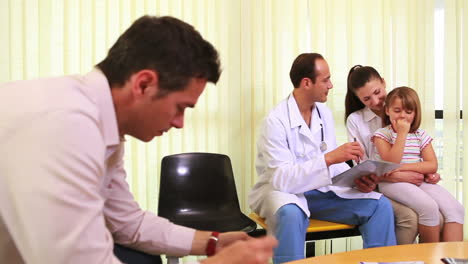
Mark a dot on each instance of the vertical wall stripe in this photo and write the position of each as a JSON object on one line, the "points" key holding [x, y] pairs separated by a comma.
{"points": [[5, 42], [450, 105], [464, 84]]}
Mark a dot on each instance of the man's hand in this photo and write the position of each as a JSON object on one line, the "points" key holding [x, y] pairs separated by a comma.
{"points": [[227, 238], [347, 151], [366, 183], [432, 178], [251, 251]]}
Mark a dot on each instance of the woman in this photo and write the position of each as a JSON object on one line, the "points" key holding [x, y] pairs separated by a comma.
{"points": [[364, 105]]}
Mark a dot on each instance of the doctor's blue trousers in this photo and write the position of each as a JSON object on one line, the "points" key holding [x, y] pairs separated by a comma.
{"points": [[374, 218]]}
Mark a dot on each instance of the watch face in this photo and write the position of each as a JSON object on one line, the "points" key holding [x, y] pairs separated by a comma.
{"points": [[323, 146]]}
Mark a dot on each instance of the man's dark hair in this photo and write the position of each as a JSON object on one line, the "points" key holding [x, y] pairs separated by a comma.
{"points": [[304, 67], [169, 46]]}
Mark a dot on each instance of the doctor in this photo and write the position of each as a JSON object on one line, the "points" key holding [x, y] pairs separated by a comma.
{"points": [[298, 157]]}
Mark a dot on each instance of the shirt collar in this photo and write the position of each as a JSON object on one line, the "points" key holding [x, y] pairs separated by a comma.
{"points": [[295, 117], [99, 87], [368, 114]]}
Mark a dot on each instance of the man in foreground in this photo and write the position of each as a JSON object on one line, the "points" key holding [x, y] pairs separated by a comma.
{"points": [[63, 194]]}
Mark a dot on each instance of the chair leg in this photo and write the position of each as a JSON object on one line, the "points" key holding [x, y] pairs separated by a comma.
{"points": [[172, 260], [309, 249]]}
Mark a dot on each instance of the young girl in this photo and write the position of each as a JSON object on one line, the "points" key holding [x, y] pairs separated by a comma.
{"points": [[402, 141]]}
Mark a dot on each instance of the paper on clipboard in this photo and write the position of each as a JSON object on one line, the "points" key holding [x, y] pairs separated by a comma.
{"points": [[367, 167]]}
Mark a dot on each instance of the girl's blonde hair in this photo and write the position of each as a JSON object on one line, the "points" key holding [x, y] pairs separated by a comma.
{"points": [[409, 100]]}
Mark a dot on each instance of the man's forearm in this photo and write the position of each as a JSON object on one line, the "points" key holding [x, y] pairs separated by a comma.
{"points": [[199, 242]]}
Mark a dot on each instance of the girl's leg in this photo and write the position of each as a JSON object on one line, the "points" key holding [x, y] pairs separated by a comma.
{"points": [[452, 232], [429, 234], [450, 208], [422, 203]]}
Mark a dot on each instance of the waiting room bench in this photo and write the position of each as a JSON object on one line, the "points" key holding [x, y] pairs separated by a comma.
{"points": [[317, 230]]}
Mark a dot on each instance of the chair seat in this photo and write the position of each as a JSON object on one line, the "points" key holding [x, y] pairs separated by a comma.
{"points": [[314, 224], [317, 230]]}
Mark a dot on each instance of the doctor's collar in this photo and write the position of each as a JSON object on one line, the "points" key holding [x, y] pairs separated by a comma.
{"points": [[295, 117]]}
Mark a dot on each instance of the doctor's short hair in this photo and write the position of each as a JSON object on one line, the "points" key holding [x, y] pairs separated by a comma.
{"points": [[409, 100], [167, 45], [304, 67]]}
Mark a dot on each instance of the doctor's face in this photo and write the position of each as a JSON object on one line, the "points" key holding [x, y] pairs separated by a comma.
{"points": [[319, 89]]}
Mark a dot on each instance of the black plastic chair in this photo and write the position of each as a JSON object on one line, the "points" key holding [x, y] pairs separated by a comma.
{"points": [[350, 163], [198, 190]]}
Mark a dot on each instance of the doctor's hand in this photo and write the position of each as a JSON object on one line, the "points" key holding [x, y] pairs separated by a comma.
{"points": [[366, 183], [347, 151]]}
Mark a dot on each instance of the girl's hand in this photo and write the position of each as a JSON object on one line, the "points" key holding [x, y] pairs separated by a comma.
{"points": [[401, 125]]}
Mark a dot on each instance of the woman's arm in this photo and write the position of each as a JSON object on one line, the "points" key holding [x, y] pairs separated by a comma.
{"points": [[413, 177]]}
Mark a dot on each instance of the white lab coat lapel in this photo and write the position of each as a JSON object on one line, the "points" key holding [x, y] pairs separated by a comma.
{"points": [[304, 139]]}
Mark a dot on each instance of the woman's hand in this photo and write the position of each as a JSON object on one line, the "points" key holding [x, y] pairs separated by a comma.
{"points": [[432, 178]]}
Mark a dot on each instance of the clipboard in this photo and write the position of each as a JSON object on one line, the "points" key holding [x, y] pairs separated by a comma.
{"points": [[346, 178], [454, 260]]}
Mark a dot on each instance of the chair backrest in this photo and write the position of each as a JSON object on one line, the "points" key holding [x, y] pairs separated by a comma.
{"points": [[350, 163], [198, 190]]}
